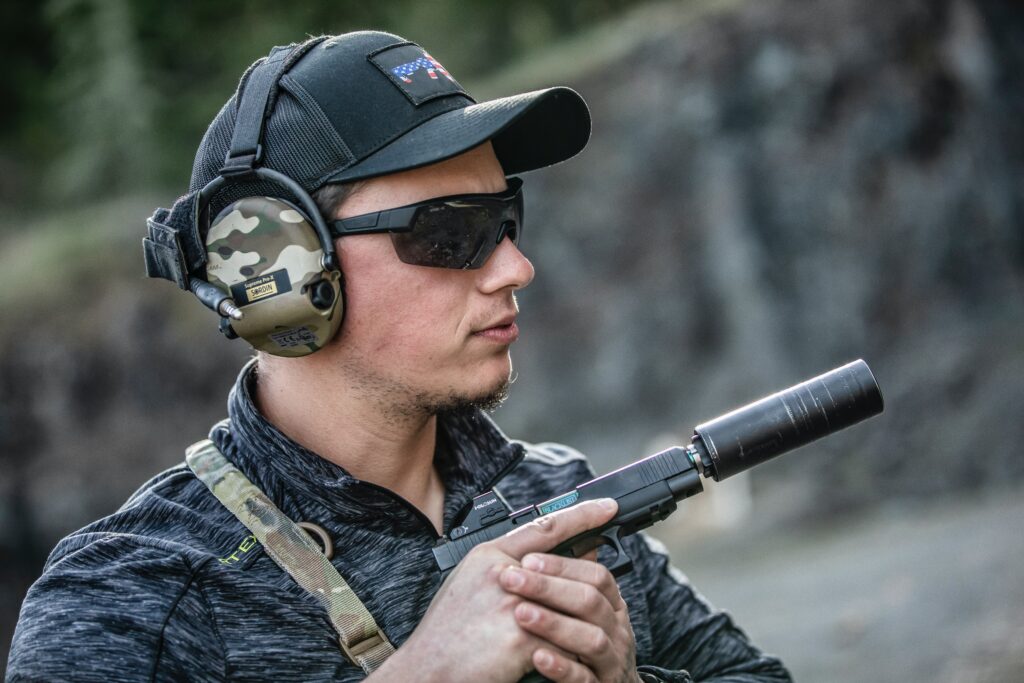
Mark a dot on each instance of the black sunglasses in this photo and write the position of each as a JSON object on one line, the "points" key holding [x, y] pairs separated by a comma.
{"points": [[460, 231]]}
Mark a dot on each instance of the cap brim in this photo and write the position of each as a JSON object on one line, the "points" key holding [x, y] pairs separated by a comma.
{"points": [[529, 131]]}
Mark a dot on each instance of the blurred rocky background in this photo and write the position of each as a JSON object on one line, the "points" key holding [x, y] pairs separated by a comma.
{"points": [[773, 188]]}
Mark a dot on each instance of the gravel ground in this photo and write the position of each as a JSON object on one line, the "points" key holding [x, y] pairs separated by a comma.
{"points": [[926, 593]]}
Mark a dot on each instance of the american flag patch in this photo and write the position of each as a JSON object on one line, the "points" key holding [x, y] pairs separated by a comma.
{"points": [[426, 62], [416, 73]]}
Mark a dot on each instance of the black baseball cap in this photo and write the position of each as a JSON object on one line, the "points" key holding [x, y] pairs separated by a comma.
{"points": [[369, 103], [350, 107]]}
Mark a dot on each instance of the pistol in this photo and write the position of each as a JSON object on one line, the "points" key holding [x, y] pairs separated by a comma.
{"points": [[648, 490]]}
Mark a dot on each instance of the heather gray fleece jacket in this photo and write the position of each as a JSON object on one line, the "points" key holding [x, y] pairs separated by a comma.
{"points": [[168, 588]]}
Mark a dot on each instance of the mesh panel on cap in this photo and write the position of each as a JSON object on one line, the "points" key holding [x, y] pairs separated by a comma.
{"points": [[210, 159], [298, 123], [213, 147]]}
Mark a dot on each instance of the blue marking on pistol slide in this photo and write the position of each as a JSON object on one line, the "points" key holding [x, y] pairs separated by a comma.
{"points": [[559, 503]]}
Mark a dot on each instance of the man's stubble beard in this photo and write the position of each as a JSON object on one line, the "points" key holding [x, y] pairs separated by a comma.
{"points": [[401, 402], [454, 403]]}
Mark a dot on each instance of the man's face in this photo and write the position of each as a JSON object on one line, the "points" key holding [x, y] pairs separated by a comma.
{"points": [[424, 339]]}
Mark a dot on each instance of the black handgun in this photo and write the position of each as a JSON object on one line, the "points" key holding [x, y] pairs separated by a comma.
{"points": [[647, 490]]}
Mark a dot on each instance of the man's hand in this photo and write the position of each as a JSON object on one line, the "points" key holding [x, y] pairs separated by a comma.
{"points": [[477, 627], [575, 605]]}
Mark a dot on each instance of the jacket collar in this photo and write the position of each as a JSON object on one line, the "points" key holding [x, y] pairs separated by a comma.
{"points": [[471, 455]]}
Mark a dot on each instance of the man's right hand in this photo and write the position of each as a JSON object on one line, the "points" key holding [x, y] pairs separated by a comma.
{"points": [[470, 631]]}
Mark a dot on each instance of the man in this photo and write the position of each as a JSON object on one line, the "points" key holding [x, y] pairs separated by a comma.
{"points": [[375, 438]]}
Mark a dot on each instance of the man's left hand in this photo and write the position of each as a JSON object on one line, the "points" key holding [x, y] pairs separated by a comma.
{"points": [[574, 604]]}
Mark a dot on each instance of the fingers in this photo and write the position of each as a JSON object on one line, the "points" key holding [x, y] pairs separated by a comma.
{"points": [[546, 532], [560, 668], [581, 570], [574, 597], [591, 643]]}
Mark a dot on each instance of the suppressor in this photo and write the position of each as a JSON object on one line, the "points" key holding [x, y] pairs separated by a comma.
{"points": [[786, 420]]}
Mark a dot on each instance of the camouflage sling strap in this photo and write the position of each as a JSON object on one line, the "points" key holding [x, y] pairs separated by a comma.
{"points": [[361, 639]]}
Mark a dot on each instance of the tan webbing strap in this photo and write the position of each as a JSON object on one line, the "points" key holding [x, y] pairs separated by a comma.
{"points": [[361, 639]]}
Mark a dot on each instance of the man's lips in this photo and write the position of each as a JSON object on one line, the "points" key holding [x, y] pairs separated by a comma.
{"points": [[503, 331]]}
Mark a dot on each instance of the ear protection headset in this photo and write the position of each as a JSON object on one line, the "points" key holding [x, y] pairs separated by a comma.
{"points": [[271, 268]]}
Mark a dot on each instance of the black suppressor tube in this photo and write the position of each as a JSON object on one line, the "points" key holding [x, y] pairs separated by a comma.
{"points": [[786, 420]]}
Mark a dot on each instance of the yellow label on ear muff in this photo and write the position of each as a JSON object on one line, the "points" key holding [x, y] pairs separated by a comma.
{"points": [[268, 257], [261, 287]]}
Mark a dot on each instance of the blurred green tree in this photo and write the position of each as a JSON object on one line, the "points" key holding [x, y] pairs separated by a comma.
{"points": [[107, 97], [102, 104]]}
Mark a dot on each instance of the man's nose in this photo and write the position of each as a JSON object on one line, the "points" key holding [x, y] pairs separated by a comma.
{"points": [[506, 267]]}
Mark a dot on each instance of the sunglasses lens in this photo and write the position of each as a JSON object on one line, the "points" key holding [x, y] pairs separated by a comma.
{"points": [[454, 234]]}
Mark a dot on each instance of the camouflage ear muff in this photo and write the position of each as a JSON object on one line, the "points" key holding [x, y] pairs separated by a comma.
{"points": [[267, 255], [271, 268]]}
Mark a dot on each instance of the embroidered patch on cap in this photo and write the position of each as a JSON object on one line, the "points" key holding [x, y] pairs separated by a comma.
{"points": [[416, 73]]}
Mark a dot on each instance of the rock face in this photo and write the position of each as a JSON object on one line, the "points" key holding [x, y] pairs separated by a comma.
{"points": [[773, 188]]}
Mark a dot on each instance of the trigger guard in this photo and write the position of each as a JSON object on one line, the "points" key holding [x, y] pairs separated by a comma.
{"points": [[621, 564]]}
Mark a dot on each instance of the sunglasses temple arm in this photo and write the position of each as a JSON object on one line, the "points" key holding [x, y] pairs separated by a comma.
{"points": [[391, 220]]}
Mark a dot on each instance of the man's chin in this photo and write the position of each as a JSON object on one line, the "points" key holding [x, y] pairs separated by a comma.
{"points": [[456, 403], [492, 400]]}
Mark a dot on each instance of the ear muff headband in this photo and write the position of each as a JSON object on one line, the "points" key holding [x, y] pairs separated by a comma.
{"points": [[264, 255]]}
